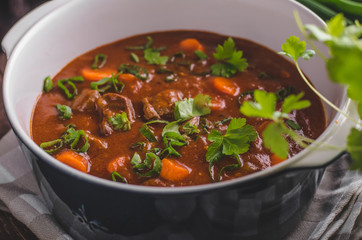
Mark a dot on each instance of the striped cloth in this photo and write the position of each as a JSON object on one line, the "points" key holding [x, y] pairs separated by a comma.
{"points": [[335, 212]]}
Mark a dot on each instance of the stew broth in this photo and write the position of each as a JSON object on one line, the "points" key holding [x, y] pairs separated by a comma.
{"points": [[185, 75]]}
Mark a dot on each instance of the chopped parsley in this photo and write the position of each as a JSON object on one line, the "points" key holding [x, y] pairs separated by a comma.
{"points": [[120, 122], [230, 60], [65, 112]]}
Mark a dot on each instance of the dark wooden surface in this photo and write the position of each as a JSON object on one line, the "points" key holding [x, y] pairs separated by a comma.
{"points": [[10, 12]]}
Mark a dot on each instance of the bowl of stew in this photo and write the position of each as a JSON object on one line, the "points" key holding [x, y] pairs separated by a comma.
{"points": [[122, 109]]}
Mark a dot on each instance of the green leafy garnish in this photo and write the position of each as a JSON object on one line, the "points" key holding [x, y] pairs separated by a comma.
{"points": [[134, 57], [190, 129], [147, 132], [52, 146], [230, 60], [153, 56], [275, 133], [172, 137], [295, 49], [116, 175], [70, 81], [151, 166], [99, 61], [47, 84], [200, 54], [293, 125], [71, 138], [234, 142], [65, 112], [140, 145], [139, 72], [192, 107], [108, 83], [171, 76], [120, 121]]}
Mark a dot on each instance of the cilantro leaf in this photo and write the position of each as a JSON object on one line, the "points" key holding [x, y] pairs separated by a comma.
{"points": [[230, 59], [274, 139], [295, 49], [153, 56], [172, 137], [189, 108], [292, 103], [264, 105], [235, 141]]}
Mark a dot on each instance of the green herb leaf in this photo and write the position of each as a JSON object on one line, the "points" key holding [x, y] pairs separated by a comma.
{"points": [[230, 59], [139, 72], [47, 84], [189, 108], [99, 61], [264, 105], [292, 103], [295, 49], [73, 137], [120, 121], [135, 57], [274, 139], [108, 83], [190, 129], [200, 54], [139, 145], [116, 175], [151, 166], [172, 137], [70, 81], [293, 125], [65, 112], [147, 132], [236, 141], [153, 56], [52, 146]]}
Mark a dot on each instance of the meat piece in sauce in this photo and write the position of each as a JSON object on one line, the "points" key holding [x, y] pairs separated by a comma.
{"points": [[161, 104], [110, 104], [86, 100]]}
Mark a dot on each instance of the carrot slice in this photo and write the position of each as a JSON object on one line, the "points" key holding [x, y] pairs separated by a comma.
{"points": [[275, 159], [226, 86], [127, 77], [97, 74], [191, 45], [73, 160], [116, 164], [173, 171]]}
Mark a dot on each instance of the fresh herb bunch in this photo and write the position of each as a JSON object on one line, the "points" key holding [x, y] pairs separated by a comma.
{"points": [[344, 66]]}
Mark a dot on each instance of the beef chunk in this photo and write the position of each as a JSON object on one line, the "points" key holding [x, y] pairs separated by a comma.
{"points": [[160, 104], [86, 101], [110, 104]]}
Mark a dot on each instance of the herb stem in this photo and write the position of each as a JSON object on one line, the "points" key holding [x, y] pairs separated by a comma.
{"points": [[307, 38], [324, 98]]}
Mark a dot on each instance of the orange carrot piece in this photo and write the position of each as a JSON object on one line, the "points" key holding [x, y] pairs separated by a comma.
{"points": [[217, 104], [73, 160], [115, 164], [127, 77], [173, 171], [191, 45], [97, 74], [275, 159], [226, 86]]}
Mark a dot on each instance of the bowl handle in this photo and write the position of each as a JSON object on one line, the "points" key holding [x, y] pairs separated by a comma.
{"points": [[25, 23], [322, 154]]}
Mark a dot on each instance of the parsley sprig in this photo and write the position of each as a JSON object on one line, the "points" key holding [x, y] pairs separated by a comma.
{"points": [[230, 60], [344, 66], [234, 142], [275, 133]]}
